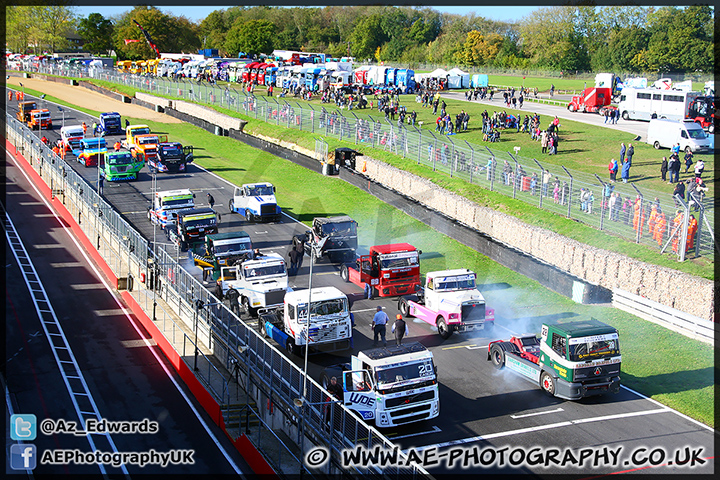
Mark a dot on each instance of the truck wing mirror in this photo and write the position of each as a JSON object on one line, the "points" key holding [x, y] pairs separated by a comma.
{"points": [[419, 252]]}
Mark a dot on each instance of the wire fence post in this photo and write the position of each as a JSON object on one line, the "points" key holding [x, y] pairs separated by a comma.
{"points": [[434, 150], [472, 160], [451, 160], [640, 214], [419, 144], [515, 176], [602, 196], [543, 188], [569, 199]]}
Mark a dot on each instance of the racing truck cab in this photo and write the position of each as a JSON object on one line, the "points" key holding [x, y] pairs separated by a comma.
{"points": [[40, 119], [392, 385], [111, 123], [120, 165], [390, 270], [334, 237], [262, 282], [570, 360], [71, 137], [191, 226], [24, 109], [330, 322], [167, 203], [130, 132], [450, 301], [256, 202], [89, 150], [171, 157]]}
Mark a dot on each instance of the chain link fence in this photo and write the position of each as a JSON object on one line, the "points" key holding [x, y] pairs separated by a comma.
{"points": [[268, 374], [581, 196]]}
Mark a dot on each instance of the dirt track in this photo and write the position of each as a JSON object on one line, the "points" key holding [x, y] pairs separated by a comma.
{"points": [[85, 98]]}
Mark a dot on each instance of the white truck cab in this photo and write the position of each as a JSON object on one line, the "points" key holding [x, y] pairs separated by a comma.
{"points": [[167, 203], [450, 301], [71, 137], [262, 282], [392, 385], [256, 202]]}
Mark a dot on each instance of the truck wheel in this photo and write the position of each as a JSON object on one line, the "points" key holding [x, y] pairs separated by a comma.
{"points": [[443, 330], [231, 206], [344, 274], [571, 107], [404, 307], [656, 145], [246, 305], [291, 347], [183, 246], [547, 383], [625, 115], [497, 356]]}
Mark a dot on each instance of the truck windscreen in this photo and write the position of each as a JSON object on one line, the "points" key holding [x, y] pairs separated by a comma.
{"points": [[265, 270], [455, 283], [236, 247], [403, 372], [259, 190], [340, 229], [170, 202], [171, 151], [591, 348], [123, 159], [325, 307], [399, 260], [199, 221]]}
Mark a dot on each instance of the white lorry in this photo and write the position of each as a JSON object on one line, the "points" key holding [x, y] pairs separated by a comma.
{"points": [[167, 203], [330, 321], [392, 385], [262, 282], [256, 202], [690, 136], [451, 302]]}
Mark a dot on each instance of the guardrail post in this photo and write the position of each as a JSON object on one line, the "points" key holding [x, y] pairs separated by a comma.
{"points": [[571, 190]]}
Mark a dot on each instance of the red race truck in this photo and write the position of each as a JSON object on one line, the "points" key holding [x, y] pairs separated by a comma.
{"points": [[390, 270], [592, 100]]}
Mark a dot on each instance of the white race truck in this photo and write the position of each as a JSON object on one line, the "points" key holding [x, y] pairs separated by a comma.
{"points": [[262, 282], [450, 301], [256, 202], [167, 203], [330, 322], [391, 385]]}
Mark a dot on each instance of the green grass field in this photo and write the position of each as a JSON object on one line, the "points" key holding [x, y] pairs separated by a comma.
{"points": [[685, 383]]}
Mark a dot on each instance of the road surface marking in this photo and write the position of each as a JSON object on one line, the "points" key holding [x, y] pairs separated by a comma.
{"points": [[327, 273], [41, 246], [537, 413], [541, 427], [86, 286], [474, 347], [435, 429], [66, 264], [457, 346], [109, 313], [136, 343]]}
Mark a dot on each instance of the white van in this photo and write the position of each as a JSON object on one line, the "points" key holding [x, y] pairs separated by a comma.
{"points": [[690, 135]]}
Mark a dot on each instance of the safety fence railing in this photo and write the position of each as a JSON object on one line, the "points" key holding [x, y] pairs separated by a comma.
{"points": [[476, 164], [269, 374]]}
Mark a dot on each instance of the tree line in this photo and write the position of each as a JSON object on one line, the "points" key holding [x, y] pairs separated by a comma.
{"points": [[586, 38]]}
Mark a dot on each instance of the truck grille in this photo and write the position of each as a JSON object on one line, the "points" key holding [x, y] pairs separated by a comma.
{"points": [[412, 414], [275, 297], [473, 312], [121, 169], [324, 334], [394, 402], [267, 209]]}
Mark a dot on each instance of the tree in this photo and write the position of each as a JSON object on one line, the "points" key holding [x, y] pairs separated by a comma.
{"points": [[367, 36], [18, 23], [480, 49], [252, 37], [97, 32], [55, 22]]}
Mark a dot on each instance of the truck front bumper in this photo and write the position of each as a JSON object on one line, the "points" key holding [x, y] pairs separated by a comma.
{"points": [[576, 391]]}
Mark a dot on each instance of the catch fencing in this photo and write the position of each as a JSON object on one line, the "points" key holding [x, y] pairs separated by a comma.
{"points": [[508, 173], [274, 381]]}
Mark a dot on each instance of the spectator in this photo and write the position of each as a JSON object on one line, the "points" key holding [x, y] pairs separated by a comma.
{"points": [[211, 200], [625, 173], [664, 169], [679, 192], [630, 152], [674, 168], [545, 182], [613, 168], [622, 153], [699, 167], [688, 160]]}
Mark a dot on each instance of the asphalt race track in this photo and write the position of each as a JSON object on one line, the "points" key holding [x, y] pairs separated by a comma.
{"points": [[481, 408]]}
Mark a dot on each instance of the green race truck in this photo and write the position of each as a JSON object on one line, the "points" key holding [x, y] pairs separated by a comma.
{"points": [[570, 360], [120, 165]]}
